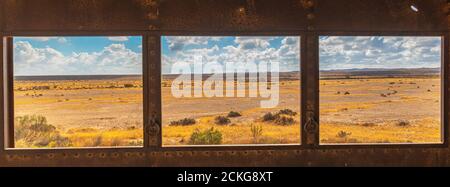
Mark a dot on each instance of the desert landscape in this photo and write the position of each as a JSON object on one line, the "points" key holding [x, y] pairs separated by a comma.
{"points": [[382, 106], [356, 106], [236, 120], [78, 111]]}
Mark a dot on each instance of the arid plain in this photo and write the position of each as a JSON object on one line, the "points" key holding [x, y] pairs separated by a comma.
{"points": [[107, 111]]}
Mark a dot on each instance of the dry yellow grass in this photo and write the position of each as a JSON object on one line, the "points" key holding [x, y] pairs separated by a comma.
{"points": [[235, 134], [107, 113], [382, 133], [104, 138], [90, 113]]}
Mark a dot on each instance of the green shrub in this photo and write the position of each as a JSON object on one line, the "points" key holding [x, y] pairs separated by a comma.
{"points": [[222, 120], [233, 114], [206, 137], [33, 131], [183, 122]]}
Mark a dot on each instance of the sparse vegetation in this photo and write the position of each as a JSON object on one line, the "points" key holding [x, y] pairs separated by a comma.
{"points": [[233, 114], [280, 126], [256, 132], [288, 112], [343, 134], [269, 116], [34, 131], [222, 120], [284, 120], [282, 117], [403, 123], [183, 122], [206, 137], [128, 85]]}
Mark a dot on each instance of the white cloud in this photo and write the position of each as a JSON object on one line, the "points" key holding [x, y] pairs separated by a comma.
{"points": [[118, 38], [40, 38], [345, 52], [112, 59], [62, 40], [243, 50], [45, 39], [177, 43]]}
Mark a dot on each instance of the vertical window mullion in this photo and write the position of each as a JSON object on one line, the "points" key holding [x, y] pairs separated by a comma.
{"points": [[9, 99], [153, 125], [2, 118], [445, 60], [310, 93]]}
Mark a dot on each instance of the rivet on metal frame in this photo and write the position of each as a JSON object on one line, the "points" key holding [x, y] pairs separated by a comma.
{"points": [[307, 4], [51, 156]]}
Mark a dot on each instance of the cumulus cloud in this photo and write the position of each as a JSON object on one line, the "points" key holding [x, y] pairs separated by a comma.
{"points": [[45, 39], [112, 59], [286, 51], [348, 52], [118, 38], [177, 43]]}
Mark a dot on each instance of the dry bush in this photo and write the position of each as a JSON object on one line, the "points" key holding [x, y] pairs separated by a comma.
{"points": [[233, 114], [269, 117], [256, 132], [343, 134], [282, 117], [284, 120], [288, 112], [403, 123], [183, 122], [222, 120], [128, 85], [34, 131]]}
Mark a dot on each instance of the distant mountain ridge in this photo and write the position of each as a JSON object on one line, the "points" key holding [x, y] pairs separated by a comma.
{"points": [[382, 72], [76, 77]]}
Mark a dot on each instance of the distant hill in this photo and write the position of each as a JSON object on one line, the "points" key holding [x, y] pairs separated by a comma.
{"points": [[293, 75], [380, 72], [78, 77]]}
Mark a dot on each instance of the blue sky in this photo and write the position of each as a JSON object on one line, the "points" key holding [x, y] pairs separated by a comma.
{"points": [[123, 55], [77, 55]]}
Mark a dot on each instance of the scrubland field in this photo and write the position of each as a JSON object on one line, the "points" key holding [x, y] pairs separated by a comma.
{"points": [[375, 108], [85, 111], [380, 110], [232, 120], [107, 111]]}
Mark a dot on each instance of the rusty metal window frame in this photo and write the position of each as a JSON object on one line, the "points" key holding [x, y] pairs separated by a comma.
{"points": [[151, 51], [6, 72], [157, 59], [445, 91]]}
